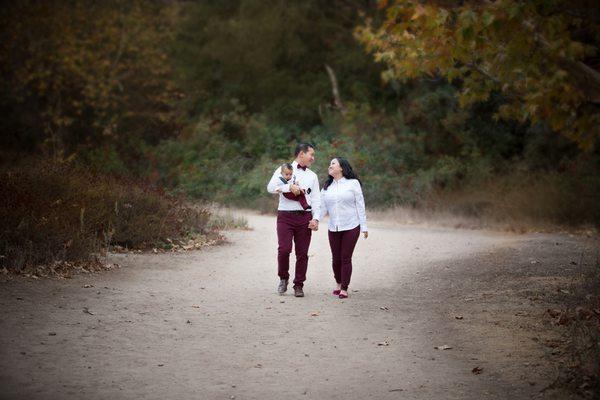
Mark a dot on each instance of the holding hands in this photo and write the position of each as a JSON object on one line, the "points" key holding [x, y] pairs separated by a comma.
{"points": [[313, 225]]}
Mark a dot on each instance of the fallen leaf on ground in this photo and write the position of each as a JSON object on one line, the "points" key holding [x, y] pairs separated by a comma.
{"points": [[563, 319], [444, 347], [476, 370], [385, 343], [584, 313], [314, 314], [87, 311], [195, 306], [88, 286], [458, 317], [383, 308], [554, 312], [521, 314], [553, 343]]}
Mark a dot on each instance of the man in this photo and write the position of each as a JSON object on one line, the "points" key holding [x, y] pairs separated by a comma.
{"points": [[293, 222]]}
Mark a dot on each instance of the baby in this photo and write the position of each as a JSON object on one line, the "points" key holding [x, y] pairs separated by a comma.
{"points": [[287, 171]]}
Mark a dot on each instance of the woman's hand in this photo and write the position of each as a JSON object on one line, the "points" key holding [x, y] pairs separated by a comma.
{"points": [[366, 234], [295, 189]]}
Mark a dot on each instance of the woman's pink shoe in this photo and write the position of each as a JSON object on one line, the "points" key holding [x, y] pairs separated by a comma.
{"points": [[343, 295], [336, 292]]}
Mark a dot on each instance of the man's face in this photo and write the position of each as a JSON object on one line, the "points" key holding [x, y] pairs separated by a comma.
{"points": [[307, 158]]}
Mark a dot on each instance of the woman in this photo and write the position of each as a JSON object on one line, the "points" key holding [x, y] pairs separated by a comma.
{"points": [[342, 199]]}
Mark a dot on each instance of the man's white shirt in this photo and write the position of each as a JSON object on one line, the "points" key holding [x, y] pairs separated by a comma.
{"points": [[344, 202], [305, 179]]}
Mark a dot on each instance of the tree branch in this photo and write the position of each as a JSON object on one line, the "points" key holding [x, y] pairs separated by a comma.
{"points": [[337, 101], [586, 77]]}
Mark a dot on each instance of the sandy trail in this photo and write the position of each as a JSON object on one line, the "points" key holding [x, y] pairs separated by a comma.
{"points": [[209, 325]]}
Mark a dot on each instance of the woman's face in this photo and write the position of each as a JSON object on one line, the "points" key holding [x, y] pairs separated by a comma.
{"points": [[335, 169]]}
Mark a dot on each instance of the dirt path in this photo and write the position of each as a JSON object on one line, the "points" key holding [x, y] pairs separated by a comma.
{"points": [[209, 325]]}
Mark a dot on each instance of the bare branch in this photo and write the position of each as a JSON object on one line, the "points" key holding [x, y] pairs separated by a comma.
{"points": [[483, 72], [337, 101]]}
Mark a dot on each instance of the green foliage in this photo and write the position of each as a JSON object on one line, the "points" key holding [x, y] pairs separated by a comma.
{"points": [[207, 98], [538, 54], [271, 56]]}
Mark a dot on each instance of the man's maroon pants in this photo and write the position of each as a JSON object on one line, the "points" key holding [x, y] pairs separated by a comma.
{"points": [[293, 225], [342, 246]]}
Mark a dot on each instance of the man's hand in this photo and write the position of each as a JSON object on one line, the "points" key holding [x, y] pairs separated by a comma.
{"points": [[366, 234], [313, 225], [295, 189]]}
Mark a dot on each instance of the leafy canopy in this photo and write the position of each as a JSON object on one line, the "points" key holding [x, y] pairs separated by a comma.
{"points": [[538, 54]]}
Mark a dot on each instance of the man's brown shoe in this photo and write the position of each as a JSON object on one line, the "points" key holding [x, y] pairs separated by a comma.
{"points": [[298, 292]]}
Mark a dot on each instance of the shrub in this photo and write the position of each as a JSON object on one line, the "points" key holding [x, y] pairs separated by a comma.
{"points": [[56, 212]]}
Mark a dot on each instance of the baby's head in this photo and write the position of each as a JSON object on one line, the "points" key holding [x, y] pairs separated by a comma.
{"points": [[286, 171]]}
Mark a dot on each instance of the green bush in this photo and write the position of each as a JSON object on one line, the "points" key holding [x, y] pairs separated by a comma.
{"points": [[411, 157]]}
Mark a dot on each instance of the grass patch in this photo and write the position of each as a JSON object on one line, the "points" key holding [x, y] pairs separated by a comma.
{"points": [[519, 202], [225, 219]]}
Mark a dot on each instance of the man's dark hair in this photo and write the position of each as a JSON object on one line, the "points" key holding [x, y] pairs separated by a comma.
{"points": [[304, 147]]}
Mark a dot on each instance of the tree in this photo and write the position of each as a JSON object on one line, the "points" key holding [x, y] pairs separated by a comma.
{"points": [[541, 55], [270, 57], [79, 74]]}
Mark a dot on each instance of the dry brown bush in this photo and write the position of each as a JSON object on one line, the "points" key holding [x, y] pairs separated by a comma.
{"points": [[56, 212]]}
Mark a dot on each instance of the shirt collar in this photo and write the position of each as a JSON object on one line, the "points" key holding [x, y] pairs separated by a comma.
{"points": [[295, 164]]}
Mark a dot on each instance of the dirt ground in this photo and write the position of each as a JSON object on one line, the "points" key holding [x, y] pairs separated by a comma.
{"points": [[209, 325]]}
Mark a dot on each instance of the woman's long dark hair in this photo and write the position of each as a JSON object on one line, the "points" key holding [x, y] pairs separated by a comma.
{"points": [[347, 172]]}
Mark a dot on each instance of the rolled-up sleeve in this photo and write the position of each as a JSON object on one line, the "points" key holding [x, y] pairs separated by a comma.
{"points": [[360, 206]]}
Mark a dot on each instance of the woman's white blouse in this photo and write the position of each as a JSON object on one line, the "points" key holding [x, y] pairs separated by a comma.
{"points": [[344, 202]]}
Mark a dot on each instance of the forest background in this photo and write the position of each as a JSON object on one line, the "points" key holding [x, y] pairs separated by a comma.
{"points": [[116, 113]]}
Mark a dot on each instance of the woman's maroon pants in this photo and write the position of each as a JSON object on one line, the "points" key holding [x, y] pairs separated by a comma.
{"points": [[342, 246]]}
